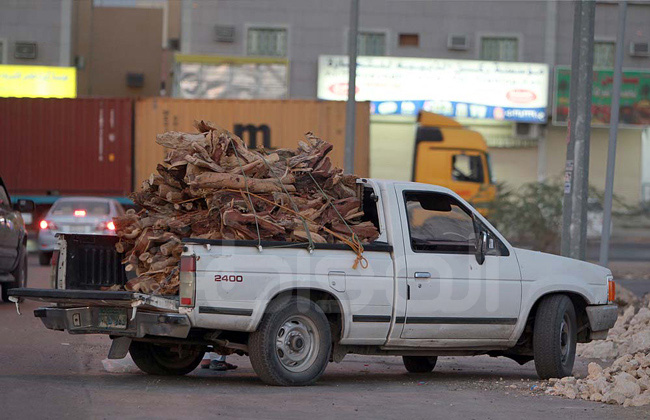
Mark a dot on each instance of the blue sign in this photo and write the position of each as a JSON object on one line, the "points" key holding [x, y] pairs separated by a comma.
{"points": [[460, 109]]}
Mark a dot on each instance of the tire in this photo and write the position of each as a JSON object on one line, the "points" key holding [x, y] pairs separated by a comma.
{"points": [[44, 258], [555, 337], [20, 274], [160, 360], [419, 364], [303, 355]]}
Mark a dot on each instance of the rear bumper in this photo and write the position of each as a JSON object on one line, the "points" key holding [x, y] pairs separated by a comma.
{"points": [[86, 320], [602, 317]]}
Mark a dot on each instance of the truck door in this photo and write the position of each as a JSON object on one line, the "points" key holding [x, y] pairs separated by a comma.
{"points": [[450, 295]]}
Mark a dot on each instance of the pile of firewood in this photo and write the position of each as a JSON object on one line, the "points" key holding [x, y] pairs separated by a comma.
{"points": [[212, 186]]}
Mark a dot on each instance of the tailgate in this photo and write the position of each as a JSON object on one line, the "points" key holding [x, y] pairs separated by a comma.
{"points": [[69, 298]]}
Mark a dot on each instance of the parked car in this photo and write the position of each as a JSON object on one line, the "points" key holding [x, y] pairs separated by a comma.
{"points": [[13, 242], [440, 280], [89, 215]]}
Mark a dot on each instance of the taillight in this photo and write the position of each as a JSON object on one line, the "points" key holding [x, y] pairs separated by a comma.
{"points": [[611, 291], [106, 226], [44, 225], [80, 213], [187, 287]]}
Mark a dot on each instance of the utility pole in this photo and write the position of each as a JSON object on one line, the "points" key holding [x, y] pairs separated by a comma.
{"points": [[351, 106], [576, 175], [613, 131]]}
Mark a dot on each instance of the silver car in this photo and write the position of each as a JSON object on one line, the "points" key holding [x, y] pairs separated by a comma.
{"points": [[89, 215]]}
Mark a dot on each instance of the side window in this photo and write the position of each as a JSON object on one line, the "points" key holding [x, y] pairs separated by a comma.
{"points": [[467, 168], [439, 223], [4, 198]]}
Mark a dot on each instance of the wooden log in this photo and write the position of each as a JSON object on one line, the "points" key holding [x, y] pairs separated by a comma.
{"points": [[239, 182]]}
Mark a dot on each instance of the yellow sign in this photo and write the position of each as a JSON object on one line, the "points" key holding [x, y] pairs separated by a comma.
{"points": [[37, 82]]}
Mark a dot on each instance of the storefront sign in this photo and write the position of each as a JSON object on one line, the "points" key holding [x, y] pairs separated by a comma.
{"points": [[455, 88], [37, 82], [635, 97]]}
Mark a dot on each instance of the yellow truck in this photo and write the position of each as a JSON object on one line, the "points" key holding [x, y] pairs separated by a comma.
{"points": [[452, 156]]}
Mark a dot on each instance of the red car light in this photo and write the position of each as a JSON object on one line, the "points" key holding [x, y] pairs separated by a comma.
{"points": [[80, 213], [44, 225], [110, 225]]}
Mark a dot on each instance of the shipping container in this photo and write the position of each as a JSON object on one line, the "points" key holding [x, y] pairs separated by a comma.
{"points": [[260, 123], [66, 146]]}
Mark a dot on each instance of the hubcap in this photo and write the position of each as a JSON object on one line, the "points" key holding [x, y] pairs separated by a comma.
{"points": [[565, 338], [297, 343]]}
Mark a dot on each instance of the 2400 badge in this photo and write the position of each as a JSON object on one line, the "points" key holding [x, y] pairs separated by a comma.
{"points": [[230, 278]]}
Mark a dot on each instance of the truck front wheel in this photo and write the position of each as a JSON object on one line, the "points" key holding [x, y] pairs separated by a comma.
{"points": [[160, 360], [554, 337], [419, 364], [292, 344]]}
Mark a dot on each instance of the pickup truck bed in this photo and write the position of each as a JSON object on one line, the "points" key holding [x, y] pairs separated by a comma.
{"points": [[86, 263]]}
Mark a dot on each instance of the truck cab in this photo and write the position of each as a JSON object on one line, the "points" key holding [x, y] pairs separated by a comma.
{"points": [[452, 156]]}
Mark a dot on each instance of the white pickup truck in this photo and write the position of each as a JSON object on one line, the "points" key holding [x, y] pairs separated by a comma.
{"points": [[440, 280]]}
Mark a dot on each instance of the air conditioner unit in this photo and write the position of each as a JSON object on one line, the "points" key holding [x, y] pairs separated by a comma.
{"points": [[25, 50], [639, 49], [224, 33], [458, 42], [135, 80], [526, 131]]}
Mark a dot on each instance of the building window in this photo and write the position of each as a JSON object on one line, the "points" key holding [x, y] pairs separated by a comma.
{"points": [[604, 54], [270, 42], [371, 43], [409, 40], [499, 48]]}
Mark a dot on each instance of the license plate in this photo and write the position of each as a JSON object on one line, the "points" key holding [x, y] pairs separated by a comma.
{"points": [[77, 229], [112, 318]]}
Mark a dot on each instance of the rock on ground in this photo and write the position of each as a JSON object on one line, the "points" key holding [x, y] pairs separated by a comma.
{"points": [[626, 382], [630, 335]]}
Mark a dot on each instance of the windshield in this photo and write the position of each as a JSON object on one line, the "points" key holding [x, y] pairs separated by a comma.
{"points": [[80, 208], [489, 168]]}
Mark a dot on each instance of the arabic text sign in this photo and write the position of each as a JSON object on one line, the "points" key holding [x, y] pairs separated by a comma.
{"points": [[635, 97], [483, 89], [37, 82]]}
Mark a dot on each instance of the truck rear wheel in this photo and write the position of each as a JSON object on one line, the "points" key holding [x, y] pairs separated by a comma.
{"points": [[554, 337], [292, 345], [419, 364], [161, 360]]}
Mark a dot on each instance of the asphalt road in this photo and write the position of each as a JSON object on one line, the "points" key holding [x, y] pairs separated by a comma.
{"points": [[47, 374]]}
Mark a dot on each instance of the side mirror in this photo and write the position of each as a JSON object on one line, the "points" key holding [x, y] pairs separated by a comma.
{"points": [[481, 247], [24, 206]]}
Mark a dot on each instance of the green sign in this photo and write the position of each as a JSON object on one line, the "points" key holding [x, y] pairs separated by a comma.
{"points": [[635, 97]]}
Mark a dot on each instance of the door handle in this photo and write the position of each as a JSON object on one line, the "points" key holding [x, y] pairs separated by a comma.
{"points": [[422, 275]]}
